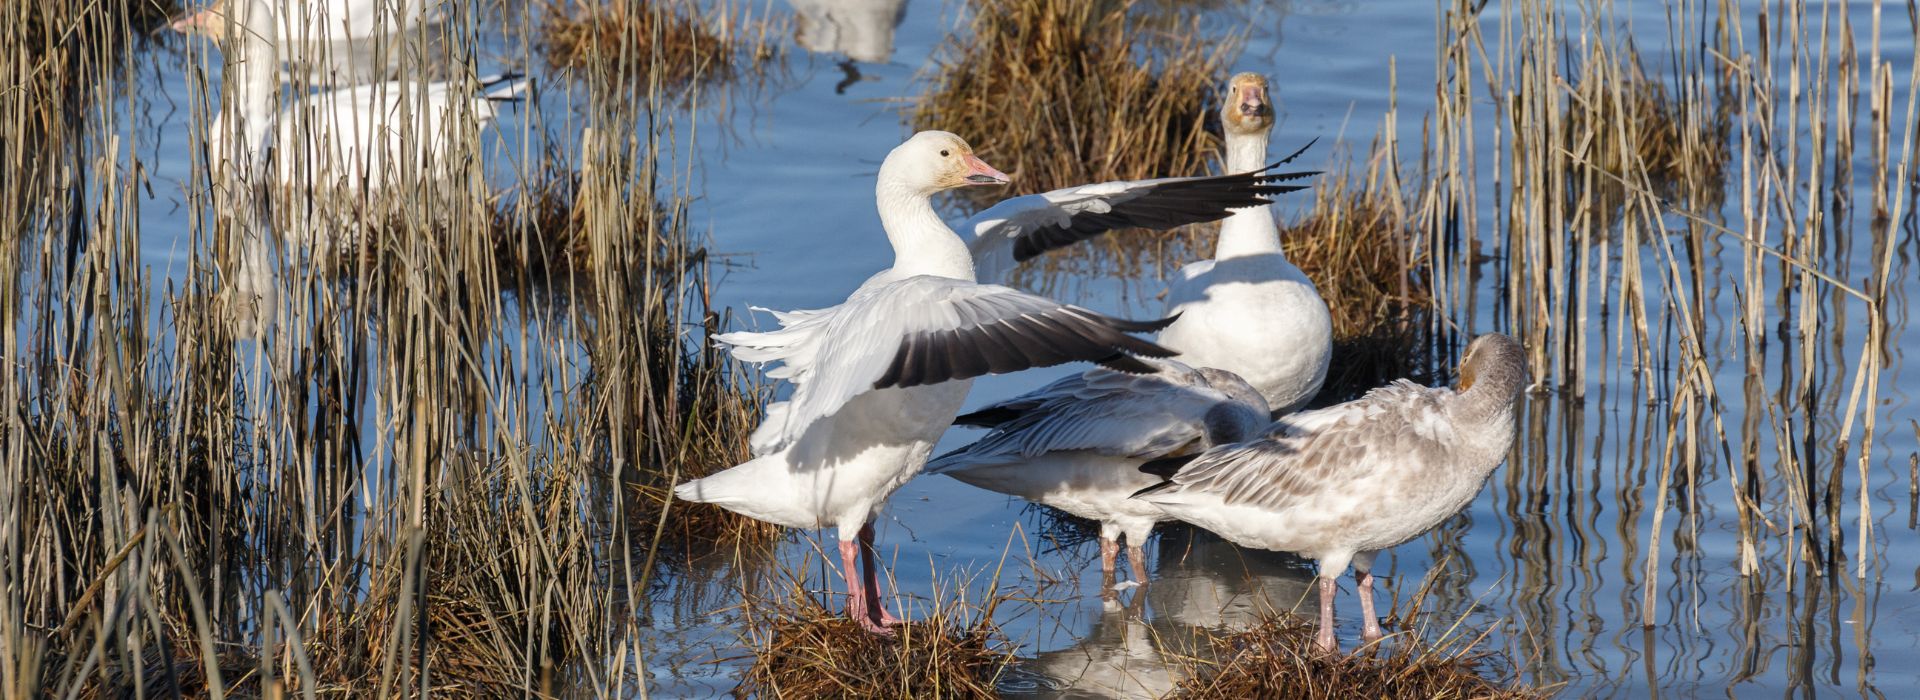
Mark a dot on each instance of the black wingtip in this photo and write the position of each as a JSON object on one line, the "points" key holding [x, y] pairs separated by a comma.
{"points": [[1132, 326]]}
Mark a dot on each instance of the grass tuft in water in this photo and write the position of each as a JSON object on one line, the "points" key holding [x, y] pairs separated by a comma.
{"points": [[1061, 92], [1278, 659], [673, 42], [804, 649]]}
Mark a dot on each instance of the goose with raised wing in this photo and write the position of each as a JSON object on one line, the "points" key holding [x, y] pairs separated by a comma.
{"points": [[877, 379], [1340, 484], [1076, 444], [1249, 310], [1022, 228]]}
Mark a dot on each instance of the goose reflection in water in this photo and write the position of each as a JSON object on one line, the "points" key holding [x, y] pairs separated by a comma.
{"points": [[1202, 586], [861, 29]]}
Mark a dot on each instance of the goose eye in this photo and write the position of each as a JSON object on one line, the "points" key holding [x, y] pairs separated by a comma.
{"points": [[944, 153]]}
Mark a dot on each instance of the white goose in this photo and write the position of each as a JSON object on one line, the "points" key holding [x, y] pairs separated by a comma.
{"points": [[354, 139], [1248, 310], [1076, 444], [1341, 484], [877, 379], [316, 21]]}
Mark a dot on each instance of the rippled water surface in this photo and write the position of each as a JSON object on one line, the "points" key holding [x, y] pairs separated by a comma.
{"points": [[1551, 558]]}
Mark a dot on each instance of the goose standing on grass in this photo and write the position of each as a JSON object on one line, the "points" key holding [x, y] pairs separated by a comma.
{"points": [[1077, 444], [878, 378], [1342, 483], [1248, 310]]}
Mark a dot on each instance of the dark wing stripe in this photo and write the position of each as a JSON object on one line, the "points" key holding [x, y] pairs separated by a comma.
{"points": [[1057, 336], [1168, 205]]}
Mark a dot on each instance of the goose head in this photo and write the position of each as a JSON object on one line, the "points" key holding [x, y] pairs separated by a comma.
{"points": [[1494, 362], [1247, 109], [933, 161], [209, 21]]}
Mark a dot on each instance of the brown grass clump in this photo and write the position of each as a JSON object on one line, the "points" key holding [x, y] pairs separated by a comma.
{"points": [[645, 39], [1062, 92], [803, 649], [1623, 127], [1359, 248], [1277, 659]]}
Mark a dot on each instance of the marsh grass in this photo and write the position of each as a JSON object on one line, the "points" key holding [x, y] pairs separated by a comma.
{"points": [[804, 648], [1277, 658], [679, 43], [1059, 93]]}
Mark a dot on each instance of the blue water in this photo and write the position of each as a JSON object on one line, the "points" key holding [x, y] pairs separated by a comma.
{"points": [[1549, 560]]}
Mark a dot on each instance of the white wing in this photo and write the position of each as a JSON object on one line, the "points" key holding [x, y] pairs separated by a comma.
{"points": [[1014, 230], [925, 330], [1115, 414]]}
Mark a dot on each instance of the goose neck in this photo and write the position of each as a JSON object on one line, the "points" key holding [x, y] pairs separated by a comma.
{"points": [[923, 244]]}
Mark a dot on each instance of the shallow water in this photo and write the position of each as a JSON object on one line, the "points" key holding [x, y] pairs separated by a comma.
{"points": [[1550, 558]]}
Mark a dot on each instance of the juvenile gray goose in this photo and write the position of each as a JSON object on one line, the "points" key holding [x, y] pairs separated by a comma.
{"points": [[1342, 483]]}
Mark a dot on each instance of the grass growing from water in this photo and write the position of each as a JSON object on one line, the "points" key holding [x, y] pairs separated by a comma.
{"points": [[1277, 659], [1059, 93], [675, 42]]}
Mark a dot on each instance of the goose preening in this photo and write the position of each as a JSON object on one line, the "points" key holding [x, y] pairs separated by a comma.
{"points": [[316, 21], [1076, 444], [878, 378], [1249, 310], [1015, 230], [1342, 483]]}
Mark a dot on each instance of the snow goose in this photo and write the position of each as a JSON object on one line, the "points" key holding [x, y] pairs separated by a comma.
{"points": [[877, 379], [317, 21], [1249, 310], [1342, 483], [1018, 229], [1076, 444], [353, 139]]}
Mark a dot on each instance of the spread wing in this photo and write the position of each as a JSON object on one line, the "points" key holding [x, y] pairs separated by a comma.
{"points": [[1123, 415], [1017, 229], [1327, 451], [925, 330]]}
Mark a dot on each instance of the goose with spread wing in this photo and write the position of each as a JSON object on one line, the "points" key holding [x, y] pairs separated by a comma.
{"points": [[1076, 444], [1018, 229], [877, 379], [1340, 484]]}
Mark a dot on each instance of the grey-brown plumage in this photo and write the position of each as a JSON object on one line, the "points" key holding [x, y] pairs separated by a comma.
{"points": [[1342, 483]]}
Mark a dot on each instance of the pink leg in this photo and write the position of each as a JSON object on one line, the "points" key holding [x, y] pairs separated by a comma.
{"points": [[873, 578], [1137, 558], [857, 596], [1371, 632], [1109, 552], [1324, 639]]}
